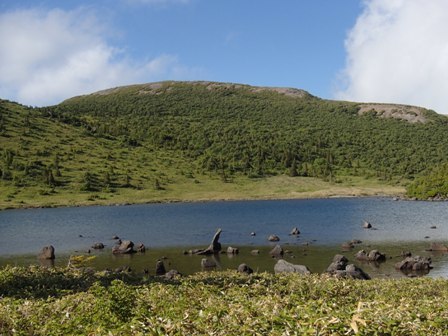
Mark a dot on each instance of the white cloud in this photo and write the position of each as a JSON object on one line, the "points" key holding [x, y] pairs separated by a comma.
{"points": [[398, 52], [50, 56]]}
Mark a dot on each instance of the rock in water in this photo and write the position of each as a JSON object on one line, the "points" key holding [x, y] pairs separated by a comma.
{"points": [[160, 268], [98, 246], [294, 232], [273, 238], [243, 268], [47, 253], [214, 247], [125, 247]]}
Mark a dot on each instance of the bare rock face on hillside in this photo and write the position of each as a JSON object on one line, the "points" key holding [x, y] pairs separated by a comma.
{"points": [[411, 114]]}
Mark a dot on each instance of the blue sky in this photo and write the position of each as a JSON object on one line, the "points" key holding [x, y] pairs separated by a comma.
{"points": [[353, 49]]}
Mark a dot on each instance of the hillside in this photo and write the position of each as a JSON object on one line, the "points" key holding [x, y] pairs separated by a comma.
{"points": [[206, 140]]}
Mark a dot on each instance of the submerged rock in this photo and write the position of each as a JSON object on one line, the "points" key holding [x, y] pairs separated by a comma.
{"points": [[125, 247], [273, 238]]}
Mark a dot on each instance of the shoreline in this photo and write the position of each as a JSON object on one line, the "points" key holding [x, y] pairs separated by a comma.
{"points": [[321, 194]]}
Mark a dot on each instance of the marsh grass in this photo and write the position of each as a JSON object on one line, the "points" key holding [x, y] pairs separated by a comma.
{"points": [[38, 301]]}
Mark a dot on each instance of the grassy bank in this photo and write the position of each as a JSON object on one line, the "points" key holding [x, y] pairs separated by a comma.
{"points": [[38, 301], [202, 188]]}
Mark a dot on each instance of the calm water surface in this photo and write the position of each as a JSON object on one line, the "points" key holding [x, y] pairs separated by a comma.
{"points": [[168, 229]]}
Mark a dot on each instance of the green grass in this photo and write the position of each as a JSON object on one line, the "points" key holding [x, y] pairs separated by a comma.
{"points": [[39, 301]]}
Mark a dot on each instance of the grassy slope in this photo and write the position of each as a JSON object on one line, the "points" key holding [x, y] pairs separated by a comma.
{"points": [[33, 137], [56, 302]]}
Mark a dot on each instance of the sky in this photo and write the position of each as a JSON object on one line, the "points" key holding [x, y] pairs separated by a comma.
{"points": [[389, 51]]}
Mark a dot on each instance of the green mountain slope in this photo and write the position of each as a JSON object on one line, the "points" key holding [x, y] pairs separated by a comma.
{"points": [[209, 140]]}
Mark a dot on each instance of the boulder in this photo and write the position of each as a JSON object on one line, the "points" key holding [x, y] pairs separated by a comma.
{"points": [[243, 268], [125, 247], [347, 246], [98, 246], [277, 251], [141, 247], [255, 252], [160, 268], [294, 232], [47, 253], [232, 250], [273, 238], [282, 266]]}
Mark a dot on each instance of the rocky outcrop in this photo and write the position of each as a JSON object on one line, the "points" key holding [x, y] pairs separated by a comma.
{"points": [[125, 247], [282, 266], [47, 253]]}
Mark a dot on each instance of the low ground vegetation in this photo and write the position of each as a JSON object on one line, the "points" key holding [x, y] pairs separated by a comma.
{"points": [[41, 301]]}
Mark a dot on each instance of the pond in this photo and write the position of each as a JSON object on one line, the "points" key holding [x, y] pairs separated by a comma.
{"points": [[169, 229]]}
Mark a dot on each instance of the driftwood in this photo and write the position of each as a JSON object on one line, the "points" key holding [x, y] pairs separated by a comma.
{"points": [[214, 247]]}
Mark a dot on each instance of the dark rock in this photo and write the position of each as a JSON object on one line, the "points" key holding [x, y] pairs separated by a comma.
{"points": [[141, 247], [115, 237], [243, 268], [340, 268], [277, 251], [416, 263], [160, 268], [125, 247], [232, 250], [366, 225], [373, 255], [406, 254], [47, 253], [207, 263], [273, 238], [214, 247], [282, 266], [339, 263], [355, 272], [123, 269], [356, 241], [98, 246], [433, 227], [294, 232], [172, 274]]}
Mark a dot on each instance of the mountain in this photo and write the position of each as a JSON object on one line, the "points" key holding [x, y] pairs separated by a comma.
{"points": [[159, 136]]}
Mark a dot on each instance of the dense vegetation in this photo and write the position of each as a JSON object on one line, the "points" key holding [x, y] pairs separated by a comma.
{"points": [[39, 301], [432, 184], [129, 140]]}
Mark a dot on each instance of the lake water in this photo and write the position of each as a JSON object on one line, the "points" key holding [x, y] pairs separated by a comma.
{"points": [[169, 229]]}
